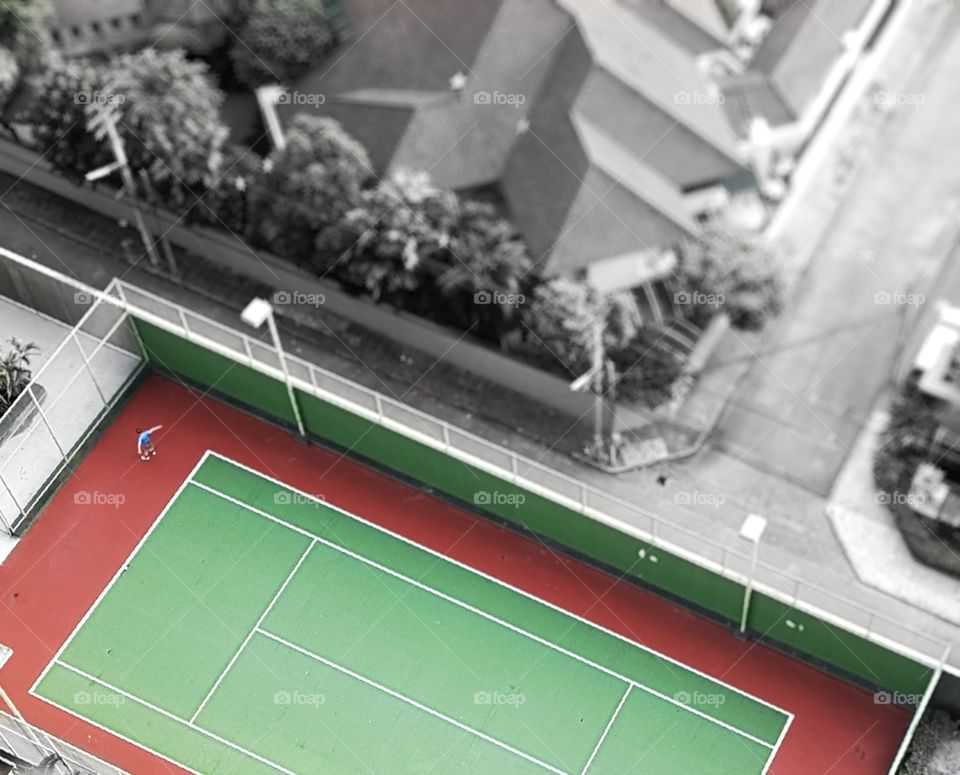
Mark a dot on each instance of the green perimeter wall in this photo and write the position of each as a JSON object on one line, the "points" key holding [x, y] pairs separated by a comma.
{"points": [[675, 576]]}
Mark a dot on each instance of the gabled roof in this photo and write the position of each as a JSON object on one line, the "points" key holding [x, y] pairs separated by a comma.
{"points": [[414, 45], [552, 101], [465, 137], [791, 64], [651, 132], [687, 30], [648, 62], [622, 207]]}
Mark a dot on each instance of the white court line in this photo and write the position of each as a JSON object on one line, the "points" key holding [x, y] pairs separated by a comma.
{"points": [[776, 748], [490, 617], [114, 733], [210, 453], [120, 570], [603, 737], [409, 701], [173, 717], [256, 626], [493, 580]]}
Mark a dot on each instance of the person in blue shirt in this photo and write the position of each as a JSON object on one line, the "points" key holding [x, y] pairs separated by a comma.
{"points": [[145, 447]]}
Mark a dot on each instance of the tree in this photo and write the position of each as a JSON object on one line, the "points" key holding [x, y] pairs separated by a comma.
{"points": [[647, 369], [226, 204], [309, 184], [400, 223], [59, 117], [279, 41], [485, 252], [732, 273], [170, 120], [561, 322], [23, 30], [9, 75]]}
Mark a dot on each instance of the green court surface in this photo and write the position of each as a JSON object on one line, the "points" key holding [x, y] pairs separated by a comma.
{"points": [[256, 629]]}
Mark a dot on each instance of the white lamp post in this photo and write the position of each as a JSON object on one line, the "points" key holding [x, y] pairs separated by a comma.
{"points": [[256, 313], [752, 530]]}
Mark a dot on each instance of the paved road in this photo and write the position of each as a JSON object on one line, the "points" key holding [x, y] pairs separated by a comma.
{"points": [[808, 396]]}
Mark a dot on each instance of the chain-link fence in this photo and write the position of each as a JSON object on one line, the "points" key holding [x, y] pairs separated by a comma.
{"points": [[79, 380]]}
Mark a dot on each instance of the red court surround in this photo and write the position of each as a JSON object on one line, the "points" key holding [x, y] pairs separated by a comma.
{"points": [[73, 550]]}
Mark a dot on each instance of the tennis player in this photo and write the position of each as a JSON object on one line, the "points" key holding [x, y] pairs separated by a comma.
{"points": [[145, 447]]}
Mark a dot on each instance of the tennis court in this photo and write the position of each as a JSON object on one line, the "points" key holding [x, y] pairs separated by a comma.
{"points": [[256, 628]]}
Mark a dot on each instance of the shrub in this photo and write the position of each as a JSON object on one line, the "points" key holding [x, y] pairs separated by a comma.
{"points": [[9, 75], [561, 320], [732, 273], [935, 748], [380, 245], [59, 117], [647, 370], [23, 30], [170, 121], [309, 184]]}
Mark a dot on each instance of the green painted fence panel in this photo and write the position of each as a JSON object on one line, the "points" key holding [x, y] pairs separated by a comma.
{"points": [[673, 575], [215, 371], [537, 514], [837, 647]]}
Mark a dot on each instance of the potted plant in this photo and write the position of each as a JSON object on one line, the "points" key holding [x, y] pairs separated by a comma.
{"points": [[15, 375]]}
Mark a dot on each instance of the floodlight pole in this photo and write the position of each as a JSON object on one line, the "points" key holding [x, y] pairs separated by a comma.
{"points": [[752, 530], [256, 312], [598, 359], [272, 324]]}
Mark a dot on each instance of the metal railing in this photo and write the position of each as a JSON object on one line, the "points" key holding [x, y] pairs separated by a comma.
{"points": [[30, 744], [80, 380], [533, 476]]}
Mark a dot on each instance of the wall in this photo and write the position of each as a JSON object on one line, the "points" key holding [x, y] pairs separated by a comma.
{"points": [[229, 251], [809, 636]]}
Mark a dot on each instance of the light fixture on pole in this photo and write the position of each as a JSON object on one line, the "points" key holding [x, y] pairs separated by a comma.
{"points": [[103, 125], [595, 377], [255, 314], [751, 530]]}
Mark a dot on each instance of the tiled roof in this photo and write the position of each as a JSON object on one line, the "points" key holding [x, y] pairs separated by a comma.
{"points": [[412, 45], [803, 44], [654, 127], [632, 173], [464, 139], [607, 220], [635, 52], [545, 168], [651, 133], [753, 95], [683, 31]]}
